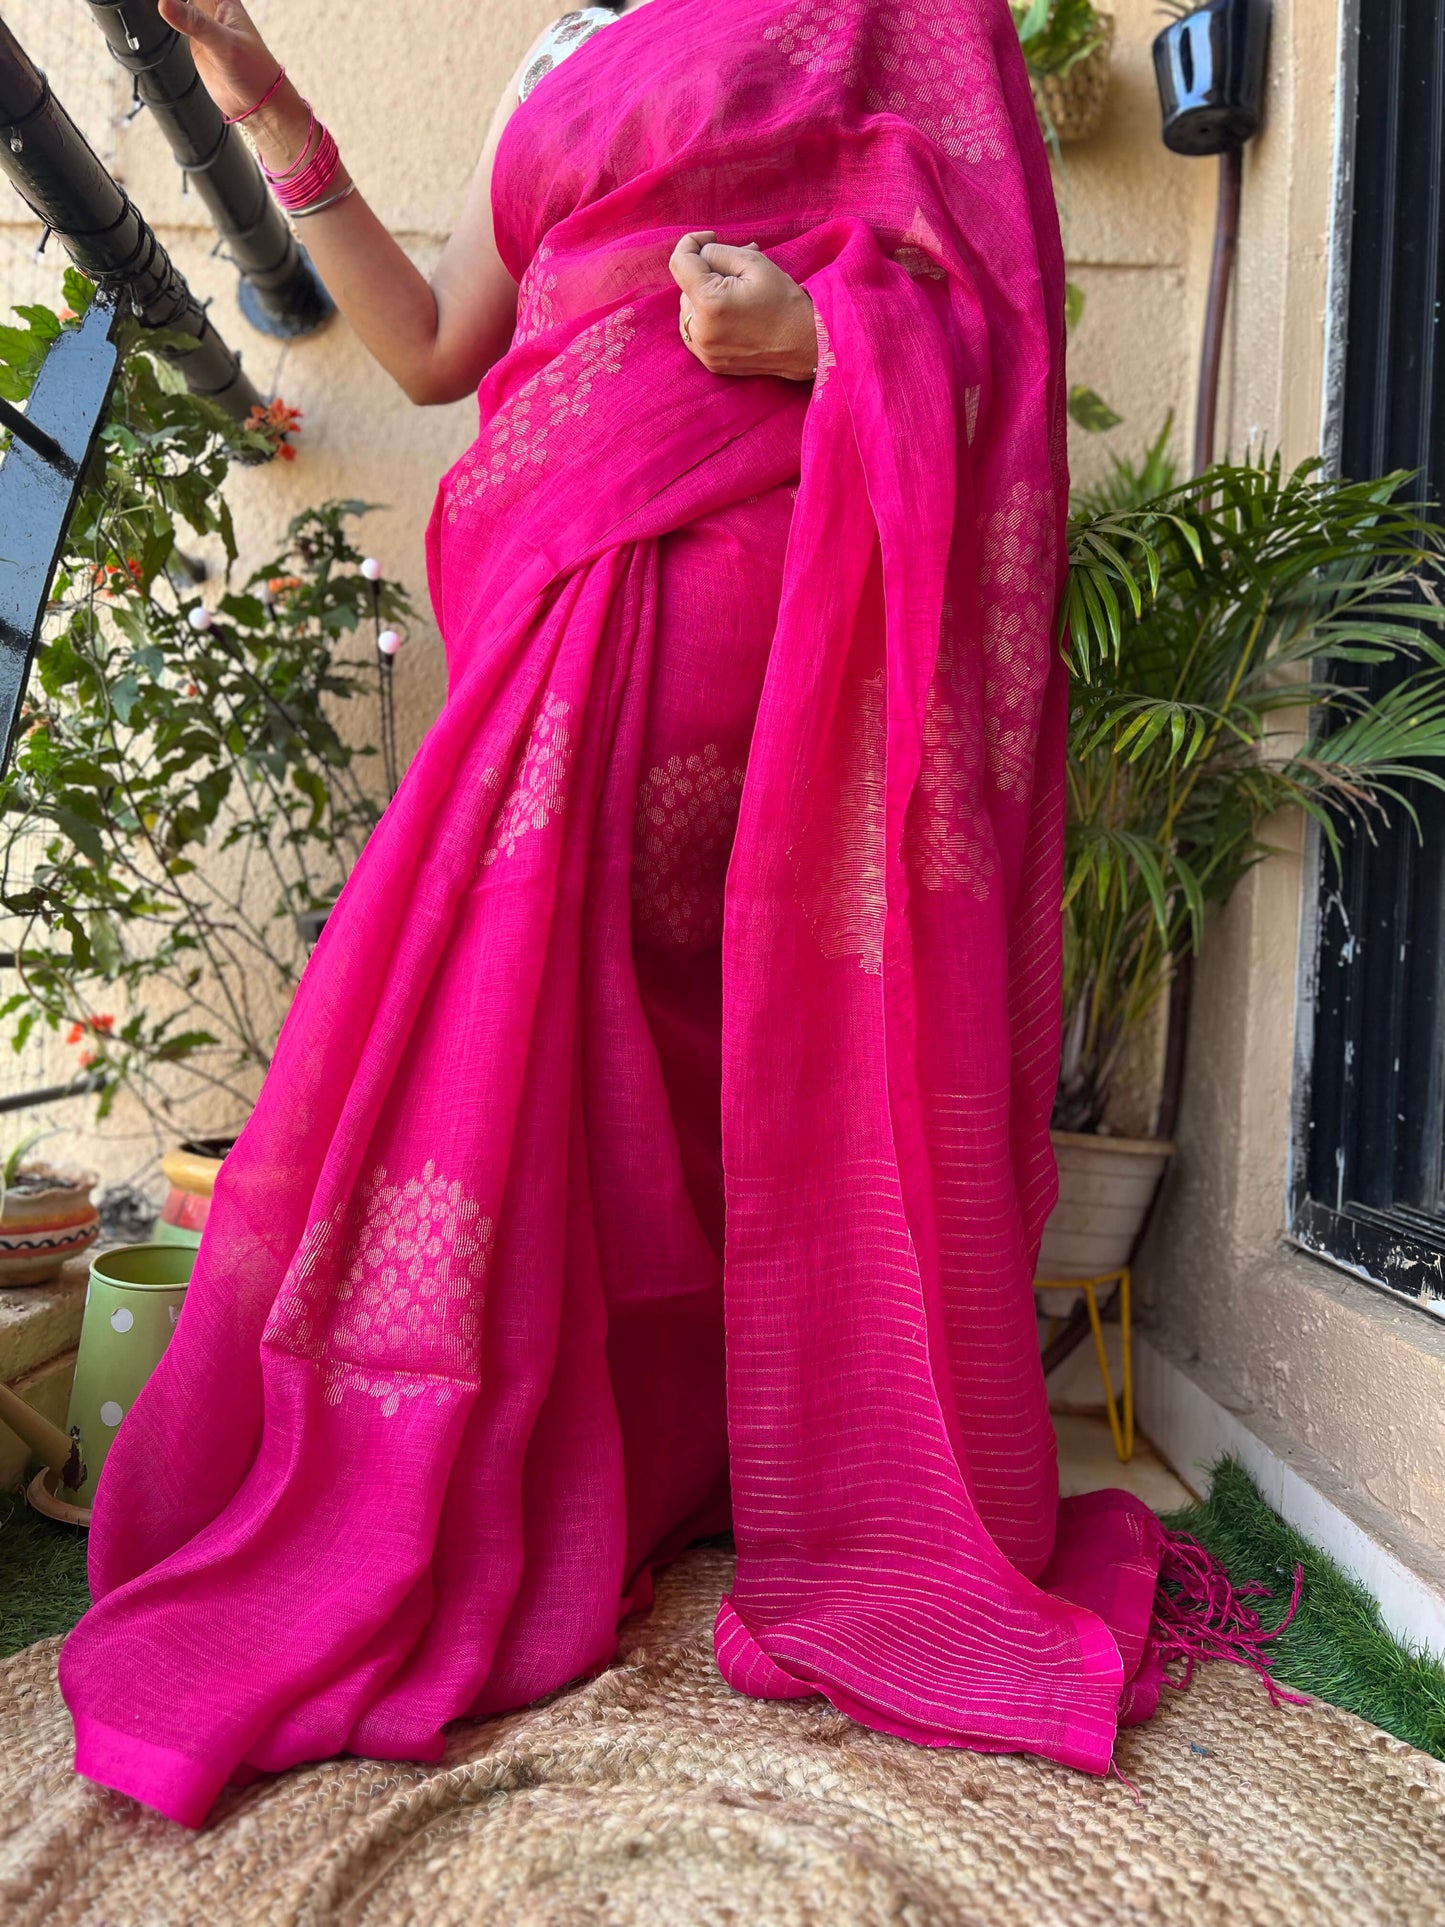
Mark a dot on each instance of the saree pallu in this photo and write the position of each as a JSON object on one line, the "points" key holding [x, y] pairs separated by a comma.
{"points": [[659, 1134]]}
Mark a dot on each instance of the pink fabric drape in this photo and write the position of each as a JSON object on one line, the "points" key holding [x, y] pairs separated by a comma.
{"points": [[669, 1092]]}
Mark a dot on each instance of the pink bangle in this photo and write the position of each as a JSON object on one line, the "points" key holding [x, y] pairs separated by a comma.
{"points": [[232, 119], [303, 159], [303, 184]]}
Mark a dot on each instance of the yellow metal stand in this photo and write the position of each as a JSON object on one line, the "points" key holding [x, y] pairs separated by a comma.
{"points": [[1123, 1430]]}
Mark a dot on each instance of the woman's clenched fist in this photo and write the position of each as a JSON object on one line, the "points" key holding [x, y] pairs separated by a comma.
{"points": [[739, 313]]}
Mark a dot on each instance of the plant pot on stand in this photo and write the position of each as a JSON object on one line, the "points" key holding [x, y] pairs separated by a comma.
{"points": [[1107, 1187]]}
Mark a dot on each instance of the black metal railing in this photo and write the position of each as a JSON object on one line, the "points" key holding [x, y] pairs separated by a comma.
{"points": [[280, 292], [63, 181]]}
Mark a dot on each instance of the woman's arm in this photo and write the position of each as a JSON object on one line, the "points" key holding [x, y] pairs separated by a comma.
{"points": [[739, 313], [435, 338]]}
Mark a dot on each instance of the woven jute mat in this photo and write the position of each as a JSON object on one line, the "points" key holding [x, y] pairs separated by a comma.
{"points": [[655, 1797]]}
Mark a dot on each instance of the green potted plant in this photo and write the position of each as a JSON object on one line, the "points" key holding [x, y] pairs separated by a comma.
{"points": [[1218, 634], [187, 788], [1066, 47]]}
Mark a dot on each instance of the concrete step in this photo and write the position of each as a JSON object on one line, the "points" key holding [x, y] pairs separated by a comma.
{"points": [[39, 1321], [39, 1331]]}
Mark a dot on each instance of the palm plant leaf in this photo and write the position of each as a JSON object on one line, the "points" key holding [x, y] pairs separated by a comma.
{"points": [[1192, 619]]}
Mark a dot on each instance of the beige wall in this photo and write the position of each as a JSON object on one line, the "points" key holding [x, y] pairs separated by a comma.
{"points": [[1135, 221]]}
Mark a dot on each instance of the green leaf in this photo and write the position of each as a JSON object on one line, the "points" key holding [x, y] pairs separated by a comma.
{"points": [[105, 946], [1090, 411], [44, 322], [185, 1043], [79, 290], [1073, 305], [124, 695]]}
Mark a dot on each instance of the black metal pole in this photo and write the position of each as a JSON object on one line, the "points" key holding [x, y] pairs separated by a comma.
{"points": [[1221, 269], [57, 173], [280, 291]]}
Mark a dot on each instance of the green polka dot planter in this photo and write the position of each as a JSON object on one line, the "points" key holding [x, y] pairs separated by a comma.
{"points": [[135, 1297]]}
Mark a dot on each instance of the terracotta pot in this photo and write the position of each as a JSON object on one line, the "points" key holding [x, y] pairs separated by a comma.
{"points": [[191, 1171], [1071, 105], [1106, 1184], [47, 1217]]}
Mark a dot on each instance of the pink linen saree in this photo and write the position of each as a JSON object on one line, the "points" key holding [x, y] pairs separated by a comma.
{"points": [[668, 1095]]}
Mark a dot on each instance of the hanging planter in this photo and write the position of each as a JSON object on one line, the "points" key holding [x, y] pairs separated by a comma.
{"points": [[1070, 103], [1210, 67], [1066, 47]]}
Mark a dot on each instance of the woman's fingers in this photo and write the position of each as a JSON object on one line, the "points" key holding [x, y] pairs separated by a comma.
{"points": [[185, 18], [686, 266], [730, 261], [208, 22]]}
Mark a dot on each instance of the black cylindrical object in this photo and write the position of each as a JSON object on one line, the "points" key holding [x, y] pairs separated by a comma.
{"points": [[280, 292], [55, 170], [1210, 66]]}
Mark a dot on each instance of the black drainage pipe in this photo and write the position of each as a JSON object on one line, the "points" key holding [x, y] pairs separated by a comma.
{"points": [[280, 293], [57, 173]]}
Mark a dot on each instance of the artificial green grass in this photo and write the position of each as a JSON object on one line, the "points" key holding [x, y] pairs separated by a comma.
{"points": [[43, 1587], [1335, 1648]]}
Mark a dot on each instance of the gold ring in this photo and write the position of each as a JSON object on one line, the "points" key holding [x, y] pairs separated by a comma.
{"points": [[687, 327]]}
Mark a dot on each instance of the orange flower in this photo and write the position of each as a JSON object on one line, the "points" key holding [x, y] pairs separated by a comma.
{"points": [[104, 1024], [276, 420], [284, 584], [87, 1058], [105, 573]]}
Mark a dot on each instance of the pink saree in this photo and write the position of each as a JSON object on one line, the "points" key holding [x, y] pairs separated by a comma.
{"points": [[658, 1139]]}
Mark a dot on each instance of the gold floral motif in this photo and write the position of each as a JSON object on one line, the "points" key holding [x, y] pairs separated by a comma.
{"points": [[827, 360], [947, 834], [687, 815], [568, 33], [940, 53], [921, 266], [386, 1293], [536, 309], [521, 433], [839, 858], [539, 789], [1017, 570]]}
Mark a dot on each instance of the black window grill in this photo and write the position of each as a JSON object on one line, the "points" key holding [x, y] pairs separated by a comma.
{"points": [[1369, 1174]]}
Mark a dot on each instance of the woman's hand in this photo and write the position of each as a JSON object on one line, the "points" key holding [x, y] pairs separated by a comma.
{"points": [[739, 313], [232, 59]]}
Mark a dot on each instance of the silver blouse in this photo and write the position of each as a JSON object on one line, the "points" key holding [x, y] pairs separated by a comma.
{"points": [[564, 37]]}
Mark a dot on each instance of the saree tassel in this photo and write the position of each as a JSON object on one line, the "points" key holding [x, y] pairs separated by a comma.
{"points": [[1199, 1613]]}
